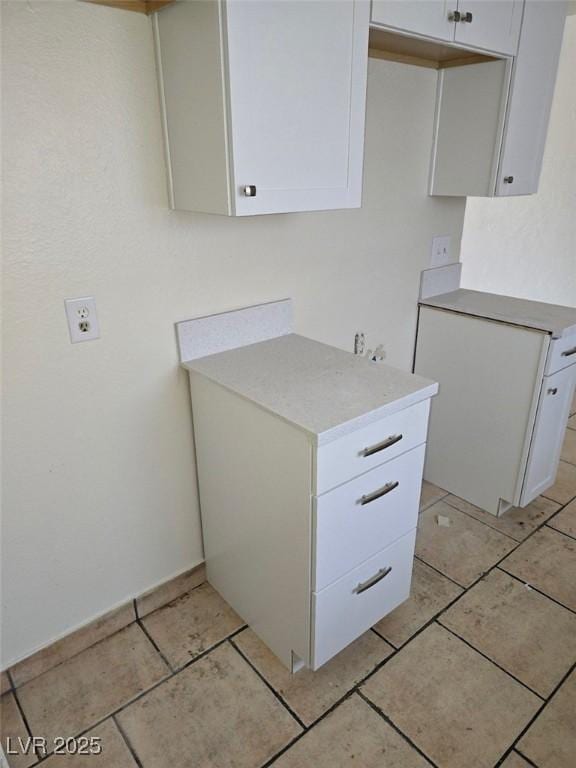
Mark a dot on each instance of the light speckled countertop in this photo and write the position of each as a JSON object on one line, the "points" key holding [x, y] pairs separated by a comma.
{"points": [[318, 388], [551, 318]]}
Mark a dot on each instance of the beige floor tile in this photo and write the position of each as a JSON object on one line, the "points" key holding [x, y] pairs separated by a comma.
{"points": [[191, 624], [13, 733], [454, 704], [569, 447], [463, 550], [170, 590], [518, 522], [74, 643], [430, 593], [572, 422], [216, 713], [511, 624], [514, 760], [73, 696], [114, 752], [352, 736], [564, 489], [547, 560], [310, 694], [430, 494], [565, 520], [550, 742]]}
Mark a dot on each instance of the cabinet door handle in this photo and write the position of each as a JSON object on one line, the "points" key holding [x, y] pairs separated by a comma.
{"points": [[552, 391], [454, 16], [392, 440], [508, 179], [250, 190], [467, 17], [569, 352], [379, 493], [372, 581]]}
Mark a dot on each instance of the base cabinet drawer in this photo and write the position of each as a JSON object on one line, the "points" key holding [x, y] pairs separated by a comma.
{"points": [[561, 354], [371, 446], [354, 603], [365, 515]]}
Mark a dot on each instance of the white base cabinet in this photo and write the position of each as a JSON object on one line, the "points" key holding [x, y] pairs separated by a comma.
{"points": [[310, 544], [263, 104], [498, 423]]}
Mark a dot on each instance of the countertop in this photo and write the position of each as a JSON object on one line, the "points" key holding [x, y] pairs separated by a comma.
{"points": [[318, 388], [551, 318]]}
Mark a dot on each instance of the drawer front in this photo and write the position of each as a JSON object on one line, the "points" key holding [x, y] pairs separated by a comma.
{"points": [[354, 603], [365, 515], [370, 446], [561, 354]]}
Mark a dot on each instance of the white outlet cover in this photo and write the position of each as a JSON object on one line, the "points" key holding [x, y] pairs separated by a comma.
{"points": [[82, 319], [440, 254]]}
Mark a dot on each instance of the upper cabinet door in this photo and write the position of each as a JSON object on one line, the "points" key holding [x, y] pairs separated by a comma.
{"points": [[493, 25], [530, 100], [297, 91], [430, 18]]}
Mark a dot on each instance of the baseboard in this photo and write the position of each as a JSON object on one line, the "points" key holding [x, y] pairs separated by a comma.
{"points": [[99, 629]]}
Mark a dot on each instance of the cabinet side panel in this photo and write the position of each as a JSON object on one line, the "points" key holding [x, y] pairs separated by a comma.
{"points": [[255, 496], [192, 90], [532, 90], [468, 130], [482, 418]]}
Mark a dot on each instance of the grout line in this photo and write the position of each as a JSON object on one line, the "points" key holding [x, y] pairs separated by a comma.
{"points": [[541, 710], [155, 645], [570, 536], [19, 705], [536, 589], [417, 557], [527, 759], [393, 725], [496, 664], [127, 742], [296, 717]]}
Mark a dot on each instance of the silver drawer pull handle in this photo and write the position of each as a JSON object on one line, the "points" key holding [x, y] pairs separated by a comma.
{"points": [[364, 585], [569, 352], [552, 391], [381, 446], [379, 493]]}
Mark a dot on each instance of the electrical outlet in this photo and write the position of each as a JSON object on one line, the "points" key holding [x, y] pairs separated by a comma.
{"points": [[440, 254], [82, 319]]}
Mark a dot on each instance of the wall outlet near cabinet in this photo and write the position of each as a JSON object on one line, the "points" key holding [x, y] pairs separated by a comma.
{"points": [[440, 254], [82, 319]]}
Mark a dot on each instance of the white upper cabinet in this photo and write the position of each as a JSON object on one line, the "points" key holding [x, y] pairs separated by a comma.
{"points": [[492, 117], [493, 25], [264, 104], [430, 18]]}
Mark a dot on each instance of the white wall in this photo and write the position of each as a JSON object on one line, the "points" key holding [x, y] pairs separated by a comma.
{"points": [[526, 246], [99, 487]]}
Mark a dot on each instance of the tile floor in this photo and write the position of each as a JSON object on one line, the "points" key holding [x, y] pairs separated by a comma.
{"points": [[477, 669]]}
